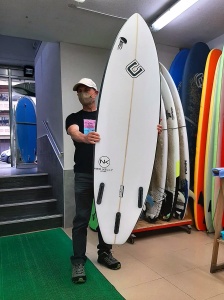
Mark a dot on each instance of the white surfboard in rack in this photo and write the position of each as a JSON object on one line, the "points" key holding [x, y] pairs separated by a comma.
{"points": [[183, 189], [129, 105]]}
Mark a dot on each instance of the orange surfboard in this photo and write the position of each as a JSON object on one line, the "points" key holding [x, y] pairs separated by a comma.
{"points": [[202, 137]]}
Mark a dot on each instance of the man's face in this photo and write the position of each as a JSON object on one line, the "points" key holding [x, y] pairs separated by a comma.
{"points": [[86, 94]]}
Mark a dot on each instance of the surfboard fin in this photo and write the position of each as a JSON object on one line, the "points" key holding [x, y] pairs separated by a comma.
{"points": [[140, 197], [210, 206], [100, 193], [201, 199], [117, 222]]}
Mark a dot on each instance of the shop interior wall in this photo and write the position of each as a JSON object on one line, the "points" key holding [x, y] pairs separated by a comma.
{"points": [[217, 43], [17, 51], [48, 91]]}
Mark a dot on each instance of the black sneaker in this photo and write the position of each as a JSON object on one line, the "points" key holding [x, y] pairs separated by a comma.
{"points": [[109, 261], [78, 273]]}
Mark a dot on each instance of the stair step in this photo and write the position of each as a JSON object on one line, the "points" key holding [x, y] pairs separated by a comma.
{"points": [[24, 210], [30, 224], [25, 194], [24, 180], [22, 220], [25, 188], [28, 211], [26, 203]]}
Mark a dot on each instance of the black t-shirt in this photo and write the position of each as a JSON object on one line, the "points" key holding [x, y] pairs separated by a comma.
{"points": [[83, 156]]}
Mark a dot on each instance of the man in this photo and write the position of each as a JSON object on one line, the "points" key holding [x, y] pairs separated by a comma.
{"points": [[81, 127]]}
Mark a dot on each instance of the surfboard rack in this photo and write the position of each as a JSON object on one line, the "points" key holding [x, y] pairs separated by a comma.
{"points": [[218, 223], [143, 226]]}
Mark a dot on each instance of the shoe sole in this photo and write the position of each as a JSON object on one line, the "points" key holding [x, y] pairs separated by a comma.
{"points": [[111, 268], [80, 280]]}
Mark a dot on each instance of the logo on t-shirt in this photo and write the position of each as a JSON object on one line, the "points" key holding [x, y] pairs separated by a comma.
{"points": [[89, 126]]}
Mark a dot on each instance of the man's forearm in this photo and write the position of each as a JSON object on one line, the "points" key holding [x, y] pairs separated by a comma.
{"points": [[78, 136]]}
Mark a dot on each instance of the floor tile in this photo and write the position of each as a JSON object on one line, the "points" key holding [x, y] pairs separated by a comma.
{"points": [[163, 265], [219, 275], [131, 274], [218, 297], [197, 283], [157, 289], [169, 264]]}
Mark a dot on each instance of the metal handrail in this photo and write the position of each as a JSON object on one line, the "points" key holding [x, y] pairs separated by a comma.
{"points": [[51, 139]]}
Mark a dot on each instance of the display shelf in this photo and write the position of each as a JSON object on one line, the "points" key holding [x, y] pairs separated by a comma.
{"points": [[143, 226]]}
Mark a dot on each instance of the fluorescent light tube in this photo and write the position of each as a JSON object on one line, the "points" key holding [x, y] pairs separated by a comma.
{"points": [[175, 10]]}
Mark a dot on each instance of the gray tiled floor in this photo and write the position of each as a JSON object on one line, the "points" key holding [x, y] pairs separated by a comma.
{"points": [[169, 265]]}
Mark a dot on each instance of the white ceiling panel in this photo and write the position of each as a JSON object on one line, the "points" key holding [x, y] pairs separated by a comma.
{"points": [[61, 20]]}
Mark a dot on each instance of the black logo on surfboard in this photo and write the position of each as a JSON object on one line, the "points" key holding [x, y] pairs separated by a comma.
{"points": [[121, 43], [134, 69], [104, 161], [169, 114], [198, 79]]}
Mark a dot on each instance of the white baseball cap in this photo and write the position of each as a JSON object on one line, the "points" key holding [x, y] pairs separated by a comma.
{"points": [[85, 81]]}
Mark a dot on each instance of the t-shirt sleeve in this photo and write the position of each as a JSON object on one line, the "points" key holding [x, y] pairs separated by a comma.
{"points": [[70, 120]]}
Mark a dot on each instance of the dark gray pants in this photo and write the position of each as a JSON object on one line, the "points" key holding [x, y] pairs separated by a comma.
{"points": [[84, 196]]}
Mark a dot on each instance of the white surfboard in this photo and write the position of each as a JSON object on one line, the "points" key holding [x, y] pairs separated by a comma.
{"points": [[182, 200], [173, 161], [127, 123], [156, 193]]}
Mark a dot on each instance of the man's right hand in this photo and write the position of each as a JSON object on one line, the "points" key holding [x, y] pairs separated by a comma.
{"points": [[92, 137]]}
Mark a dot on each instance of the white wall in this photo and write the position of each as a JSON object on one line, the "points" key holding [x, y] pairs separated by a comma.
{"points": [[166, 54], [217, 43], [77, 62]]}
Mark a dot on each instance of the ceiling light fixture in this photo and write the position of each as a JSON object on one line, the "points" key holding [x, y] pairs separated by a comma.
{"points": [[173, 12], [96, 12]]}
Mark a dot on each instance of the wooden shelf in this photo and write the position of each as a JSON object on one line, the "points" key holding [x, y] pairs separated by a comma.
{"points": [[159, 224], [143, 225]]}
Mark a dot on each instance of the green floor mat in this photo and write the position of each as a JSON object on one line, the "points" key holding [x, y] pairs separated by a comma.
{"points": [[36, 266]]}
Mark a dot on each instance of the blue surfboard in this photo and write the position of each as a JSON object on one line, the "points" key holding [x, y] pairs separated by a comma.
{"points": [[26, 129], [191, 96], [177, 68]]}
